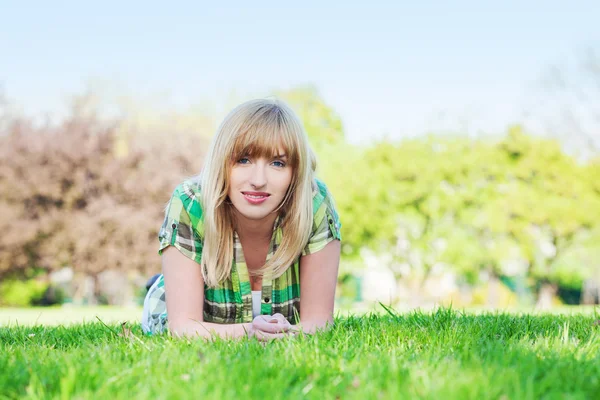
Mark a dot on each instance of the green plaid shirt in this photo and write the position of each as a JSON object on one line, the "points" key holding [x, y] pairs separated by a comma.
{"points": [[231, 301]]}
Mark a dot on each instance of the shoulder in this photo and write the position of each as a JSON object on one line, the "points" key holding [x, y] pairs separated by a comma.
{"points": [[320, 194], [183, 223], [326, 224], [188, 195], [188, 189], [324, 209]]}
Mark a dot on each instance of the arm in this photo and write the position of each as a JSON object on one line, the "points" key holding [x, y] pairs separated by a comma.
{"points": [[185, 304], [318, 278], [184, 288]]}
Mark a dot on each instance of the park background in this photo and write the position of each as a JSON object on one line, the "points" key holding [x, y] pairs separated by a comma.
{"points": [[461, 142]]}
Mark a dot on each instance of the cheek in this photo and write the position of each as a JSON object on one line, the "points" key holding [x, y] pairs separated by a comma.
{"points": [[286, 180], [233, 183], [235, 178]]}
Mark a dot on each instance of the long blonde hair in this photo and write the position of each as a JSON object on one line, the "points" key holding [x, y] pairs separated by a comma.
{"points": [[257, 128]]}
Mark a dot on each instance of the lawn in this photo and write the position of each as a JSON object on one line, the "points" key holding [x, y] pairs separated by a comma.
{"points": [[442, 354]]}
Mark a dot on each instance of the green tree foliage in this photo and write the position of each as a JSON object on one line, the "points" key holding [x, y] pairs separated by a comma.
{"points": [[323, 125], [551, 196], [517, 205]]}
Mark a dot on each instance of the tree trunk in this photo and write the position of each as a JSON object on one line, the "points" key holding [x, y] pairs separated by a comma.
{"points": [[546, 294], [590, 292], [493, 297]]}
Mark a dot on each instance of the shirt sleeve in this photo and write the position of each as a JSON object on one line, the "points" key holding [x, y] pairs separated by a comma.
{"points": [[182, 227], [326, 222]]}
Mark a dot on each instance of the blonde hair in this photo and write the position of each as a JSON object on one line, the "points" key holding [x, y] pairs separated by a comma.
{"points": [[259, 127]]}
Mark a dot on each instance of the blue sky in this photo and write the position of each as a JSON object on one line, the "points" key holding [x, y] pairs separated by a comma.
{"points": [[394, 68]]}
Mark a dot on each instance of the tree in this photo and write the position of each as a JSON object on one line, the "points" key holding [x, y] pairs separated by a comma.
{"points": [[551, 194], [69, 198], [508, 207], [323, 125]]}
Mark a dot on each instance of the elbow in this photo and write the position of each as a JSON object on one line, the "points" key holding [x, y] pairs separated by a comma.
{"points": [[183, 328], [177, 329], [317, 325]]}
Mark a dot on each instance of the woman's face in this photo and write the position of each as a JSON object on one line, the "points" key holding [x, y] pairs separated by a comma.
{"points": [[258, 185]]}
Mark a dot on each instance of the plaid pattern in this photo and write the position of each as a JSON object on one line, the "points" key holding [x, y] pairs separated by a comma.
{"points": [[231, 301]]}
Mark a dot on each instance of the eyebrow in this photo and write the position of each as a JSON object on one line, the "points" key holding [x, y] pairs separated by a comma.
{"points": [[281, 156]]}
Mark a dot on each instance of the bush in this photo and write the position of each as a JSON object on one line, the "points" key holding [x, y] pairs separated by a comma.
{"points": [[53, 295], [19, 293]]}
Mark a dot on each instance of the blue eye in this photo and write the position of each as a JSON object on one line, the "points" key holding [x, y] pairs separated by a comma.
{"points": [[243, 161], [279, 164]]}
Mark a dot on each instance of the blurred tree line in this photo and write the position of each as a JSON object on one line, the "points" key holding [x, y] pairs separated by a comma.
{"points": [[90, 195]]}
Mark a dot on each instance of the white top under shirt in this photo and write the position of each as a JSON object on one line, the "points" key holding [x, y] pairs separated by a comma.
{"points": [[255, 303]]}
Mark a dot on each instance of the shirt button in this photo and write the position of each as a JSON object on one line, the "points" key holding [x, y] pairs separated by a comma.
{"points": [[267, 299], [173, 226]]}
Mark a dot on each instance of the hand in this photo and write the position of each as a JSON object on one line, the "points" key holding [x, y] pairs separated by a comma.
{"points": [[270, 327]]}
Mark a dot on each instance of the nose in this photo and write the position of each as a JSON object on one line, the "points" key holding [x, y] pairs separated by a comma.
{"points": [[258, 177]]}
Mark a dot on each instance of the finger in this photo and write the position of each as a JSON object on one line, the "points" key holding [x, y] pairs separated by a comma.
{"points": [[264, 318], [281, 321], [261, 318], [280, 318], [277, 323], [262, 325], [271, 327], [267, 337]]}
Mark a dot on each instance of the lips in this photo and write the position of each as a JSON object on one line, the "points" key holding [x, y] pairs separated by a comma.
{"points": [[255, 197], [256, 194]]}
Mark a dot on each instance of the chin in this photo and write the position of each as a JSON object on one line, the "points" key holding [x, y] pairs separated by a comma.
{"points": [[254, 215], [253, 212]]}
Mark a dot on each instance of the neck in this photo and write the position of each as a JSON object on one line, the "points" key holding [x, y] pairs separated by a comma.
{"points": [[256, 229]]}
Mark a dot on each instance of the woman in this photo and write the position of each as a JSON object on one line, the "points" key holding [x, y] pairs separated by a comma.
{"points": [[264, 230]]}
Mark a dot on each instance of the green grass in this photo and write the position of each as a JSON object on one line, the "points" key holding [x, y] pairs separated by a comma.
{"points": [[71, 314], [441, 354]]}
